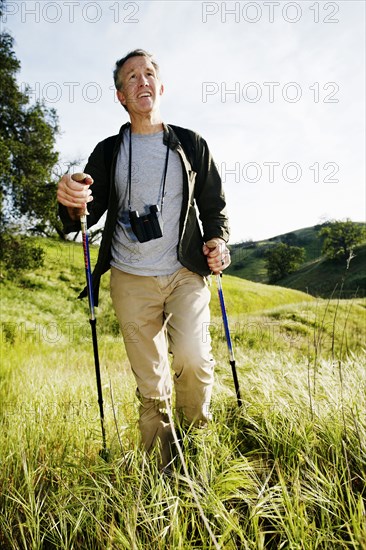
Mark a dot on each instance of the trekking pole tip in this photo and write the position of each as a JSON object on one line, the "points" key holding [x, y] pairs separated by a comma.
{"points": [[105, 454]]}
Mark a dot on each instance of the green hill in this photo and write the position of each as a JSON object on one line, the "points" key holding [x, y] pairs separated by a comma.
{"points": [[41, 308], [248, 258], [243, 297], [317, 275], [51, 291], [325, 278]]}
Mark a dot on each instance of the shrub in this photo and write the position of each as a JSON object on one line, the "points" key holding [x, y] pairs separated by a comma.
{"points": [[19, 253]]}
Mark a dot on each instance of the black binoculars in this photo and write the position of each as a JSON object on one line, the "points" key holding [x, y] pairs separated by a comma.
{"points": [[146, 227]]}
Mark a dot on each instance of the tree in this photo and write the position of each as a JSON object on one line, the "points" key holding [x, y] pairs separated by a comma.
{"points": [[27, 158], [341, 237], [282, 259], [27, 155]]}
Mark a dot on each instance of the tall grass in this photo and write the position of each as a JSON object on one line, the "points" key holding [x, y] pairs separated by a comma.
{"points": [[287, 470], [274, 474]]}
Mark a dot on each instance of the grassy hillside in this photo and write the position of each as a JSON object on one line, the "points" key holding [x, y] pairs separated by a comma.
{"points": [[43, 306], [317, 276], [324, 277], [54, 288], [286, 470], [248, 258], [244, 297]]}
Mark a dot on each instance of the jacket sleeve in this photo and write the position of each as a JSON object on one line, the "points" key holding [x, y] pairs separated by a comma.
{"points": [[209, 194], [100, 190]]}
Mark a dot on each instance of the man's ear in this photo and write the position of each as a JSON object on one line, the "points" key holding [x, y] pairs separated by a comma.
{"points": [[161, 91], [121, 97]]}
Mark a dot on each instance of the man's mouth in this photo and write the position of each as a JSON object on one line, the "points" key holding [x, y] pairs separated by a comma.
{"points": [[144, 94]]}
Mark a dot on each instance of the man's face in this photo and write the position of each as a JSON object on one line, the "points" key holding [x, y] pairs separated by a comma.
{"points": [[141, 88]]}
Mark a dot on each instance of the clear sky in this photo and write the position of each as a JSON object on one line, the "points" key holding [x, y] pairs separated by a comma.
{"points": [[276, 88]]}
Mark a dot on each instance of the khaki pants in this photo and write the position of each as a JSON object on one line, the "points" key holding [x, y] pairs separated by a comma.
{"points": [[142, 304]]}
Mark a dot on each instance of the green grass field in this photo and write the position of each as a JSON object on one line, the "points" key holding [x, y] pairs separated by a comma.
{"points": [[287, 470]]}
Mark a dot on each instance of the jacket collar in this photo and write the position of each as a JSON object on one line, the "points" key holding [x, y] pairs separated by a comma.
{"points": [[169, 136]]}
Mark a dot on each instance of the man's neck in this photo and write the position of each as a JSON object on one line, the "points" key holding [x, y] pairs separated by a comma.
{"points": [[148, 125]]}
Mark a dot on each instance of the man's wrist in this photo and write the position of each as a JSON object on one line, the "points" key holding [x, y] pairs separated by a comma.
{"points": [[216, 240], [75, 213]]}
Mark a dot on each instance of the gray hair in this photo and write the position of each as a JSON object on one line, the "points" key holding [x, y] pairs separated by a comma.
{"points": [[135, 53]]}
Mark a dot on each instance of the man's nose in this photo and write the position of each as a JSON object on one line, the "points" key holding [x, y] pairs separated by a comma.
{"points": [[143, 81]]}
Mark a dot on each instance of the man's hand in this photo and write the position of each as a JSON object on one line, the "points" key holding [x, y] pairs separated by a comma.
{"points": [[73, 191], [218, 255]]}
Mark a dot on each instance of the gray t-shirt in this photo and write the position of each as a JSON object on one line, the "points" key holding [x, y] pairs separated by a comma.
{"points": [[157, 256]]}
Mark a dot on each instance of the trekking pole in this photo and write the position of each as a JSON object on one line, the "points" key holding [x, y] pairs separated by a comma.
{"points": [[227, 334], [228, 339], [104, 452]]}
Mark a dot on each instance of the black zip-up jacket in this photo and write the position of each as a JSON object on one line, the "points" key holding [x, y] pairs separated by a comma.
{"points": [[202, 188]]}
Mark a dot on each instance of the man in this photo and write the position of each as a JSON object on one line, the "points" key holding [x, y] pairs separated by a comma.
{"points": [[152, 178]]}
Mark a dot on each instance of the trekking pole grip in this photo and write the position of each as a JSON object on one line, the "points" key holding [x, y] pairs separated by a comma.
{"points": [[80, 177]]}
